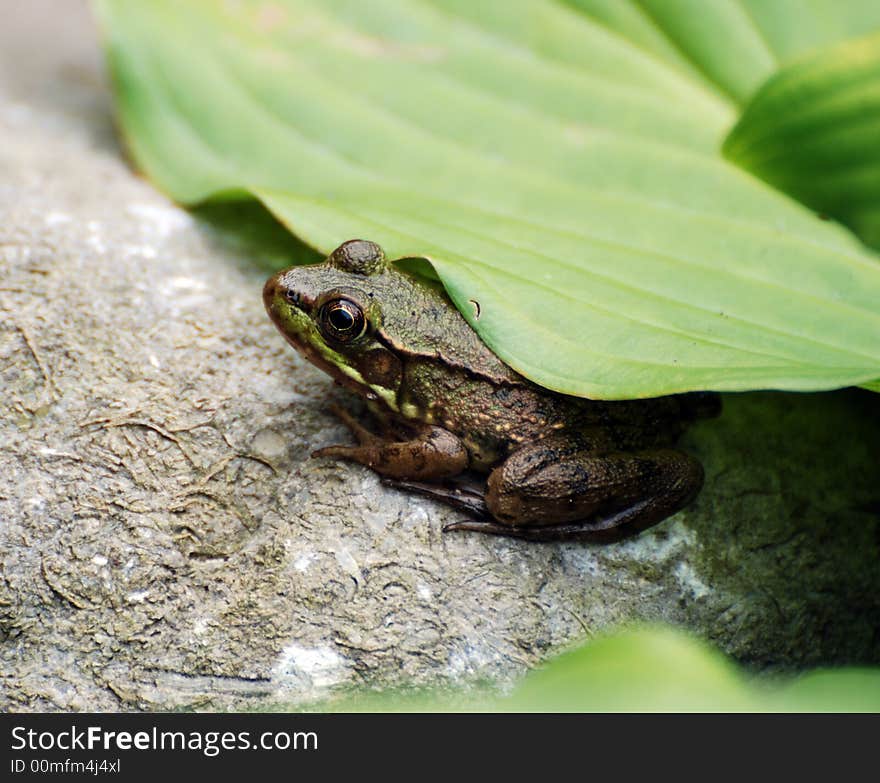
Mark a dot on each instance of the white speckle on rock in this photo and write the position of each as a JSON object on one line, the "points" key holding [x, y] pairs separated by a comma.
{"points": [[137, 597], [269, 443], [144, 251], [424, 592], [303, 562], [163, 220], [348, 564], [688, 579], [305, 668], [468, 660], [57, 218], [657, 548], [94, 241], [416, 516], [154, 360], [182, 283], [173, 289], [36, 502], [376, 521], [100, 560]]}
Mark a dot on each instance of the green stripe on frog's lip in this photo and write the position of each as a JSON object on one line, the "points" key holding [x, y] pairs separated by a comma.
{"points": [[299, 330]]}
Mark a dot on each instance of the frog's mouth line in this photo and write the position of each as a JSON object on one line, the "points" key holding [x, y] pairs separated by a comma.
{"points": [[299, 330]]}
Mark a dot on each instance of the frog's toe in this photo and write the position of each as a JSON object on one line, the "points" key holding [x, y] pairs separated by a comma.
{"points": [[338, 451], [601, 531], [453, 493], [544, 533]]}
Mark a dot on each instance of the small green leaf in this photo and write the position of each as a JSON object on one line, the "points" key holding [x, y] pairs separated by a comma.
{"points": [[813, 130], [559, 174], [661, 669], [645, 669]]}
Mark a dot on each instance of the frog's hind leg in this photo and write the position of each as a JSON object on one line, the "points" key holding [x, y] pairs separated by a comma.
{"points": [[553, 491]]}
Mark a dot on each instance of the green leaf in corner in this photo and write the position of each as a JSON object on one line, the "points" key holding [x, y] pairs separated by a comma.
{"points": [[563, 176], [660, 669], [813, 130]]}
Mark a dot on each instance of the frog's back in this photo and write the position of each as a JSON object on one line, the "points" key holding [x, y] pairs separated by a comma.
{"points": [[420, 322]]}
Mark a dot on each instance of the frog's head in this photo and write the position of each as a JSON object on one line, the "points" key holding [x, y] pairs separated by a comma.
{"points": [[332, 314]]}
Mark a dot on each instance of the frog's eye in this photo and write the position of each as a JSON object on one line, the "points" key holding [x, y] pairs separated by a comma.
{"points": [[342, 320]]}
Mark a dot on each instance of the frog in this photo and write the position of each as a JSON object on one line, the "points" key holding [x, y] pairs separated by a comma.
{"points": [[455, 423]]}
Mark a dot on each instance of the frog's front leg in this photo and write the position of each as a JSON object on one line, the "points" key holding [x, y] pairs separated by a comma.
{"points": [[552, 490], [433, 453]]}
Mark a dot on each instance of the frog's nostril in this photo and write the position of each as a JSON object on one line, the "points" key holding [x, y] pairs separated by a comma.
{"points": [[293, 297]]}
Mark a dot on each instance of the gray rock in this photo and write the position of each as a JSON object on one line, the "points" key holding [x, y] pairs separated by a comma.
{"points": [[167, 542]]}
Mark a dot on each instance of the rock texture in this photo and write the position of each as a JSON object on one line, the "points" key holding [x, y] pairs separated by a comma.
{"points": [[167, 542]]}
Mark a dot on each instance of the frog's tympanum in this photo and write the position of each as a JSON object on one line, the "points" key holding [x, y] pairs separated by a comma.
{"points": [[558, 467]]}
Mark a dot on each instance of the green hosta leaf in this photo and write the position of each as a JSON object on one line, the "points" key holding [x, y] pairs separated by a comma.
{"points": [[813, 130], [660, 669], [646, 669], [561, 176]]}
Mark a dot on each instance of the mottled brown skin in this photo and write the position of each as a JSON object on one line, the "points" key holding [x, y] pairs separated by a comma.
{"points": [[559, 467]]}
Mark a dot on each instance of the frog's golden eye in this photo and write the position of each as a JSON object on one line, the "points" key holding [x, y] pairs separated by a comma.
{"points": [[342, 320]]}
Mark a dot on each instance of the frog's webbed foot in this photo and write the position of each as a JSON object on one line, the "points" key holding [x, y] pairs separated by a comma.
{"points": [[602, 530], [432, 454]]}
